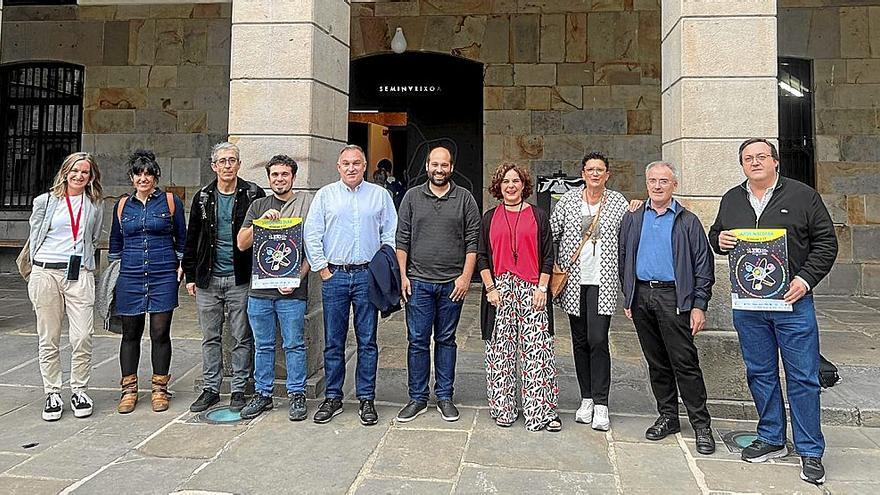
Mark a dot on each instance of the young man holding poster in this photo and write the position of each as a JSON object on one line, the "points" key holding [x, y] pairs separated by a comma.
{"points": [[285, 306], [767, 201]]}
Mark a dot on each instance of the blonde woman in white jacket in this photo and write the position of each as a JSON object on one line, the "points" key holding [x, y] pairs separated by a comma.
{"points": [[64, 228], [590, 215]]}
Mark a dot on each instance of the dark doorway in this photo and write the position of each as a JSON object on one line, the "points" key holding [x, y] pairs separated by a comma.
{"points": [[442, 99], [797, 156]]}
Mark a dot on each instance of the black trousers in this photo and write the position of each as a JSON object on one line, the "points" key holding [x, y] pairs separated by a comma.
{"points": [[589, 342], [669, 348]]}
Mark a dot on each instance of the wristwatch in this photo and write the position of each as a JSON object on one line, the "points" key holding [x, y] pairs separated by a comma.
{"points": [[542, 288]]}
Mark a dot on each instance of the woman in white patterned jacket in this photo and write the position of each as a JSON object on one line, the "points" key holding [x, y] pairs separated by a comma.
{"points": [[590, 216]]}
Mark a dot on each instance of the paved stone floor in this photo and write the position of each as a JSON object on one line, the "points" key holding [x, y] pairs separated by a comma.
{"points": [[172, 452]]}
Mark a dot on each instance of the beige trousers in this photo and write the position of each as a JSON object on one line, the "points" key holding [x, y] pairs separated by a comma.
{"points": [[52, 294]]}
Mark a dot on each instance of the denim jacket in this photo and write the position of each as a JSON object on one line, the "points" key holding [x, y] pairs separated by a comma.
{"points": [[149, 225], [44, 209]]}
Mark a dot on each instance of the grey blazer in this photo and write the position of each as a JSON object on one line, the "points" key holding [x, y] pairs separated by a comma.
{"points": [[44, 208]]}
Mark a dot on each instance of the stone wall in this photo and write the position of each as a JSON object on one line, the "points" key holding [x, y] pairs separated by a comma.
{"points": [[561, 77], [157, 77], [842, 37]]}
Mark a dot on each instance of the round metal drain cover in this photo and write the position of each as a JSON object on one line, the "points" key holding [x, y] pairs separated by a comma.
{"points": [[744, 439], [220, 415]]}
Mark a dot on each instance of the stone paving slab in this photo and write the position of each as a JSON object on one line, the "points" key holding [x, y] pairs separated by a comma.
{"points": [[413, 454], [327, 458], [385, 486], [754, 478], [76, 457], [13, 485], [140, 474], [191, 441], [8, 460], [572, 449], [489, 479], [652, 469]]}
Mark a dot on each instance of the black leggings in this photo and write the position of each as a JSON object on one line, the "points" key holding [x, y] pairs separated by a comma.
{"points": [[160, 339], [589, 339]]}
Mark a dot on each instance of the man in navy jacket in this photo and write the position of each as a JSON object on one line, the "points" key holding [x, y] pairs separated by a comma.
{"points": [[667, 272]]}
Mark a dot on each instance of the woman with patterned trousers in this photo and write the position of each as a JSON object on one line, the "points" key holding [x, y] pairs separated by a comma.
{"points": [[585, 223], [65, 225], [515, 260], [148, 235]]}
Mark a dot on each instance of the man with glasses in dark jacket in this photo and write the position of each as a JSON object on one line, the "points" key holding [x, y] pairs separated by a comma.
{"points": [[667, 272], [768, 201], [218, 274]]}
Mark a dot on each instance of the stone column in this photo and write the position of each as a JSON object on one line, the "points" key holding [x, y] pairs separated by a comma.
{"points": [[719, 88], [288, 93]]}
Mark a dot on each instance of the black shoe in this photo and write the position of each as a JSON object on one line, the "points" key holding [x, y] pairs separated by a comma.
{"points": [[237, 401], [447, 410], [759, 451], [705, 440], [256, 406], [812, 470], [54, 407], [328, 409], [81, 404], [663, 427], [411, 410], [297, 410], [367, 412], [205, 401]]}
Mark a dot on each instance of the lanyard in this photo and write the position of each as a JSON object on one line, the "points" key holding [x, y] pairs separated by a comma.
{"points": [[74, 223]]}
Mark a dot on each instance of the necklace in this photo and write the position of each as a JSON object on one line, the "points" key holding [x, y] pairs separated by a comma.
{"points": [[513, 231], [514, 204]]}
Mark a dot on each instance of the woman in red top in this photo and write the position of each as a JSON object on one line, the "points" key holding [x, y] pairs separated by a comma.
{"points": [[515, 260]]}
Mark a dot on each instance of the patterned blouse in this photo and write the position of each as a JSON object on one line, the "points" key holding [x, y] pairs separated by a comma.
{"points": [[565, 221]]}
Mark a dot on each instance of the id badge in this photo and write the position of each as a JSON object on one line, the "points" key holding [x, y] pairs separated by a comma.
{"points": [[73, 267]]}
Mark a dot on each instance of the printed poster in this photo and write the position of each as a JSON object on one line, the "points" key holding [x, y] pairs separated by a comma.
{"points": [[759, 270], [277, 251]]}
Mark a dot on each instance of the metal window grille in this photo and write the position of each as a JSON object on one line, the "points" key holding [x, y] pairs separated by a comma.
{"points": [[796, 149], [41, 114]]}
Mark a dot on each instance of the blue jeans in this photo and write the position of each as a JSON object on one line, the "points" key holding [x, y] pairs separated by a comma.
{"points": [[763, 335], [429, 308], [342, 291], [290, 315]]}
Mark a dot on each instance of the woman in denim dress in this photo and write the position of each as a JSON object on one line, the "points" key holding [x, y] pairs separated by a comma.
{"points": [[148, 235]]}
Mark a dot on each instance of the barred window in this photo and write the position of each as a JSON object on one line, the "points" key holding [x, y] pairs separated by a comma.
{"points": [[41, 106]]}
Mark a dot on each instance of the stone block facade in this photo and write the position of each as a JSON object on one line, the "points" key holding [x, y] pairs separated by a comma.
{"points": [[561, 78], [156, 77], [842, 38]]}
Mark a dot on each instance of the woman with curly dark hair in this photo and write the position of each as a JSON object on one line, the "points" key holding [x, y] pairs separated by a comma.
{"points": [[515, 260], [148, 235]]}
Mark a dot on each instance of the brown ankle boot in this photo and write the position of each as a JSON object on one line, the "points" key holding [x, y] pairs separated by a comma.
{"points": [[129, 394], [160, 392]]}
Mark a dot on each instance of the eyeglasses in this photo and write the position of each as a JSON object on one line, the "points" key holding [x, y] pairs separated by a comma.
{"points": [[227, 162], [595, 171], [749, 160], [660, 182]]}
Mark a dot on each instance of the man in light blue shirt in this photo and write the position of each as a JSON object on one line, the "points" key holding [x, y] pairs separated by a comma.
{"points": [[348, 222]]}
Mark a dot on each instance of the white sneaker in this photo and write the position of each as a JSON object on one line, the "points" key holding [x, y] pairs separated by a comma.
{"points": [[584, 413], [600, 418], [53, 408], [81, 404]]}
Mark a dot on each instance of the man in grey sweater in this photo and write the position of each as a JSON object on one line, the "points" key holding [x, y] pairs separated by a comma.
{"points": [[437, 230]]}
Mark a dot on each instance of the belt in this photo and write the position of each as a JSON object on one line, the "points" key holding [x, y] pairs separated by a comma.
{"points": [[350, 267], [51, 266], [657, 284]]}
